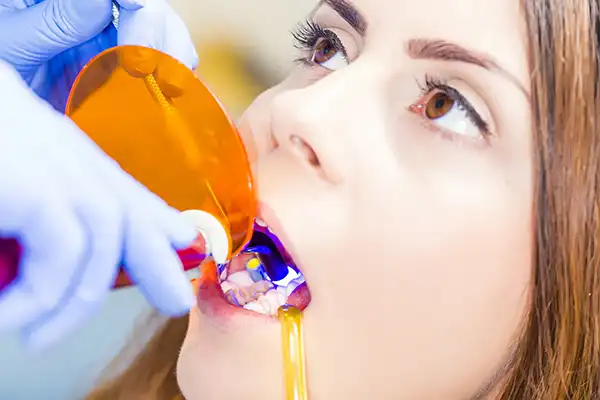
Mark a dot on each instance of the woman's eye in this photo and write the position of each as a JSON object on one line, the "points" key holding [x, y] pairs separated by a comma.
{"points": [[447, 113], [328, 55], [320, 46]]}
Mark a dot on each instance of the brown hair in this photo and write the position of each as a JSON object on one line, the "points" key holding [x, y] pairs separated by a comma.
{"points": [[558, 355], [151, 373]]}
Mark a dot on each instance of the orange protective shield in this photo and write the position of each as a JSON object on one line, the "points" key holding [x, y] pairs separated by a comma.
{"points": [[165, 128]]}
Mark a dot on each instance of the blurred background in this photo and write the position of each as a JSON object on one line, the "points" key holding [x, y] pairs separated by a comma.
{"points": [[244, 47]]}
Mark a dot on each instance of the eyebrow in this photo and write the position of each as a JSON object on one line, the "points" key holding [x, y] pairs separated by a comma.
{"points": [[349, 13], [437, 49], [429, 49]]}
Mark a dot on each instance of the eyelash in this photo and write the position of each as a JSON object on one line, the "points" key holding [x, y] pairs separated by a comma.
{"points": [[432, 83], [308, 34]]}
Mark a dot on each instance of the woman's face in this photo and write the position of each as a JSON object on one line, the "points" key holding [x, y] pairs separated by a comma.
{"points": [[397, 158]]}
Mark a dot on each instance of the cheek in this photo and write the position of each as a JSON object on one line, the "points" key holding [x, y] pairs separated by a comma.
{"points": [[456, 273], [467, 271], [424, 279]]}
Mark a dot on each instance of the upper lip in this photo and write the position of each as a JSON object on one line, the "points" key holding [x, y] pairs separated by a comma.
{"points": [[268, 216]]}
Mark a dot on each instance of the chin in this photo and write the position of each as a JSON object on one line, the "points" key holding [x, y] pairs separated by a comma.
{"points": [[230, 364]]}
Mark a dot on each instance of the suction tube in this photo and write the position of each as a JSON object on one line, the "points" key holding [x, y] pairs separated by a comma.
{"points": [[293, 353]]}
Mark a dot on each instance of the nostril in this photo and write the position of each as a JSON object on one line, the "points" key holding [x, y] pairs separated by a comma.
{"points": [[306, 150]]}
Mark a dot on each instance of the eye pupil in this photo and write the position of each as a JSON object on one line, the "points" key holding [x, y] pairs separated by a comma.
{"points": [[324, 51], [438, 106]]}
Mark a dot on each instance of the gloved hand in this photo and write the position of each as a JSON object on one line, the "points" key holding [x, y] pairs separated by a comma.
{"points": [[77, 216], [49, 41]]}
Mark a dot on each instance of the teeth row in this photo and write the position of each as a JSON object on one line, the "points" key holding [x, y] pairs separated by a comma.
{"points": [[268, 303], [265, 297]]}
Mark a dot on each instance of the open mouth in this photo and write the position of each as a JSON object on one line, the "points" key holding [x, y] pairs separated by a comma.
{"points": [[263, 276]]}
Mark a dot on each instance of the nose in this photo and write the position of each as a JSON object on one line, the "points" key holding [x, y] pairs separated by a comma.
{"points": [[309, 130], [305, 150]]}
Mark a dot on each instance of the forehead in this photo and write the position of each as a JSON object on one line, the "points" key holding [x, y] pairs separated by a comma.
{"points": [[495, 27], [475, 13]]}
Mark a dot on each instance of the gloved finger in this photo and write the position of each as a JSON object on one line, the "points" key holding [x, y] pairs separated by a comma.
{"points": [[180, 232], [172, 77], [133, 194], [131, 5], [179, 44], [103, 221], [151, 263], [138, 62], [54, 243], [50, 27], [74, 313], [173, 39], [130, 192]]}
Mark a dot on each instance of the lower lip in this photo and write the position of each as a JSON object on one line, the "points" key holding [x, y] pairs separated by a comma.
{"points": [[212, 303]]}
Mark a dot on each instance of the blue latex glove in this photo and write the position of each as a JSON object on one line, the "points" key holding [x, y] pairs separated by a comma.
{"points": [[49, 41], [76, 213], [77, 216]]}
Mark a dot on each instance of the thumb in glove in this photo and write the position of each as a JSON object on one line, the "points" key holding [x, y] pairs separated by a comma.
{"points": [[31, 37]]}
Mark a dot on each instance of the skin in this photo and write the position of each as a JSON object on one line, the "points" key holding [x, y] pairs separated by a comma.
{"points": [[414, 237]]}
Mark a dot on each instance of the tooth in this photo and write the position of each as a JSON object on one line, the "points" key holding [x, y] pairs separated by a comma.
{"points": [[260, 222], [226, 286], [223, 274], [282, 290], [255, 306], [281, 299], [251, 294], [232, 298], [265, 303], [241, 278], [262, 286], [275, 300]]}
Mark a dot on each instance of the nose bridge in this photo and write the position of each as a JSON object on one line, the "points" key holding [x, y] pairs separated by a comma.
{"points": [[344, 90], [323, 116]]}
